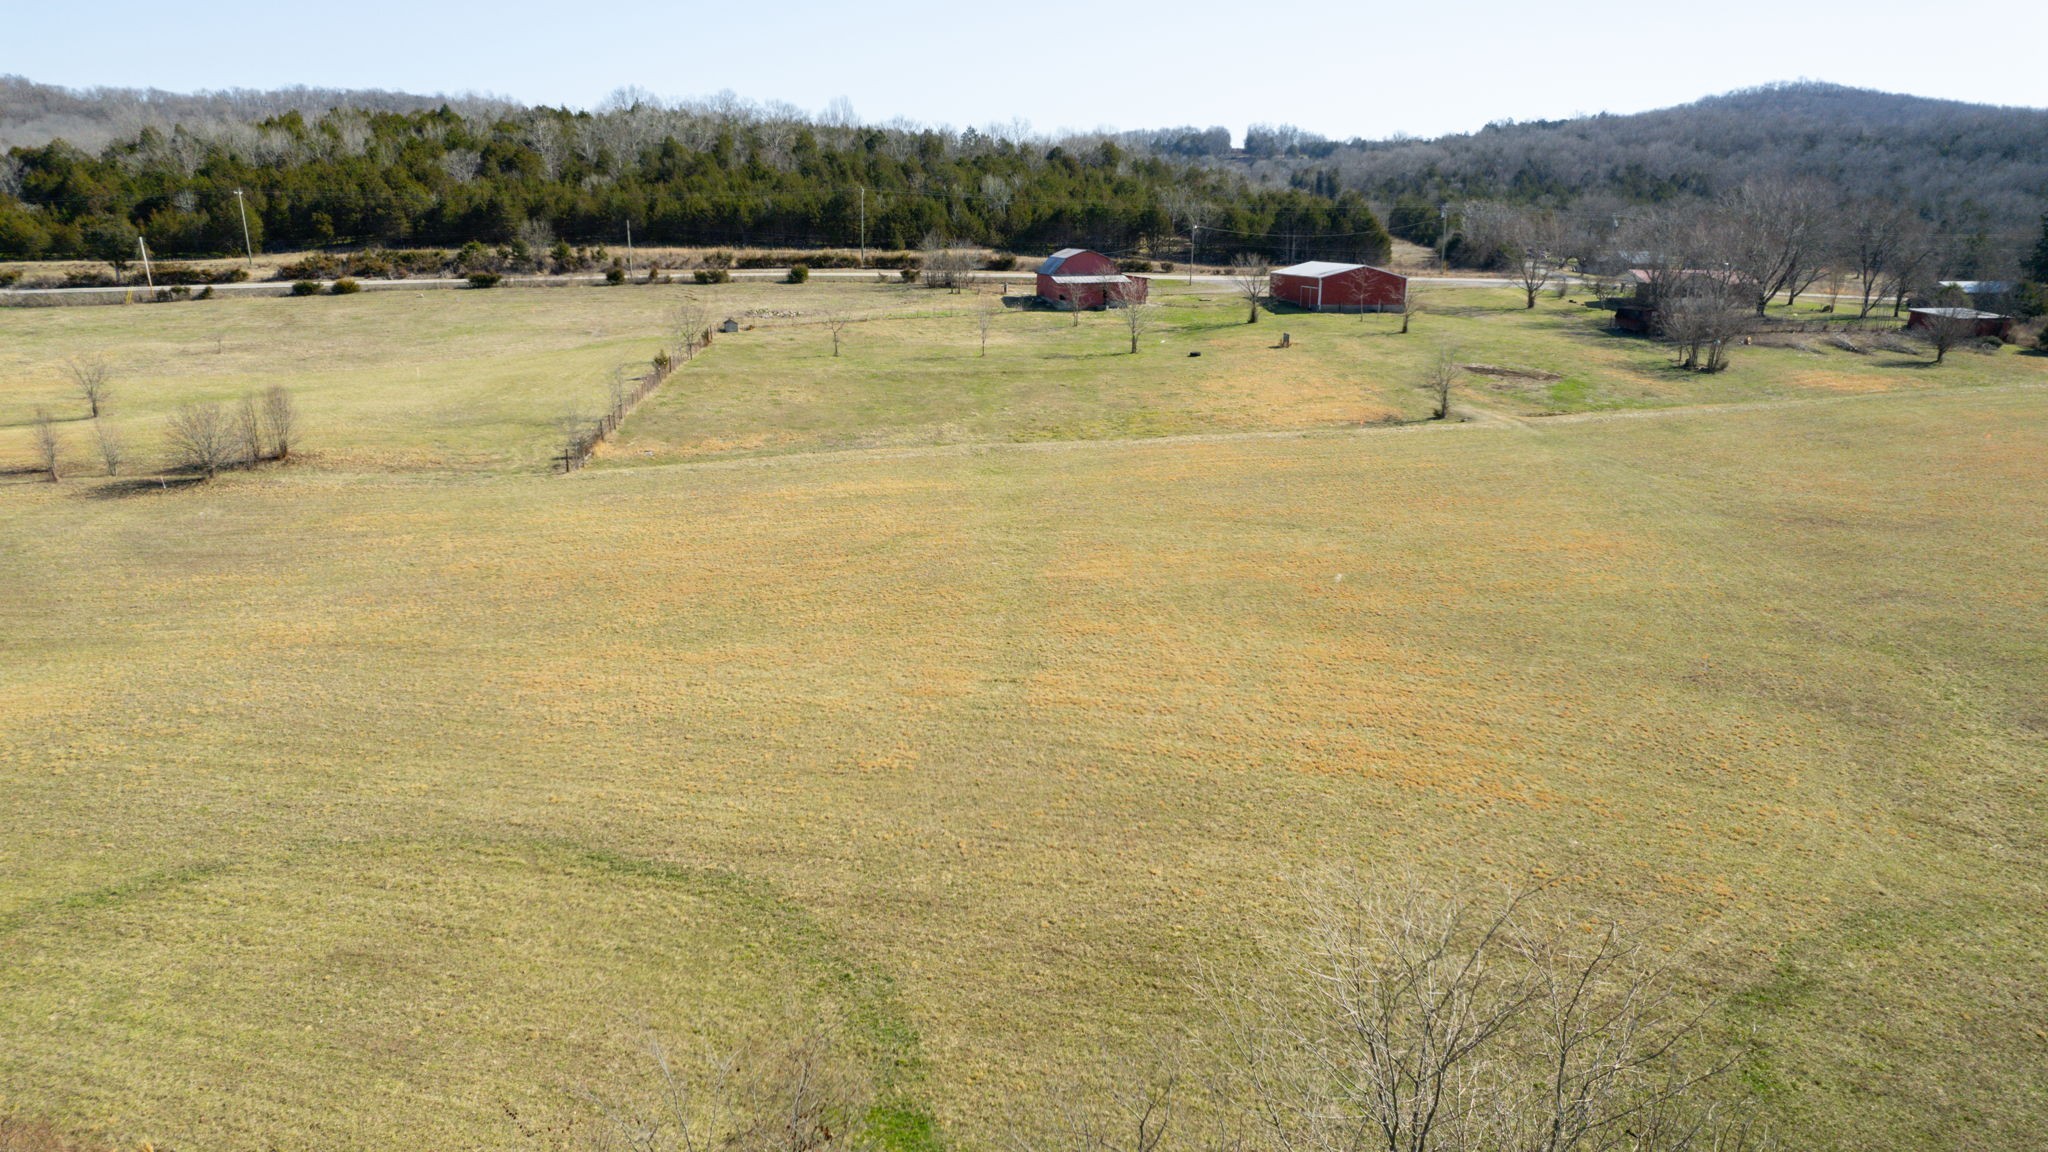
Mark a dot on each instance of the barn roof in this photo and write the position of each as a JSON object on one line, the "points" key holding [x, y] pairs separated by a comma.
{"points": [[1318, 269], [1111, 278], [1053, 262], [1959, 313]]}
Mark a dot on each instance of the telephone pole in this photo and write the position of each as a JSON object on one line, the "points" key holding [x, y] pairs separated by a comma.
{"points": [[1443, 236], [863, 225], [1194, 248], [248, 248], [148, 277], [629, 245]]}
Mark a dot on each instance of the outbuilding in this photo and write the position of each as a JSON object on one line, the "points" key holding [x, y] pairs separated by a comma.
{"points": [[1327, 286], [1981, 323], [1081, 279]]}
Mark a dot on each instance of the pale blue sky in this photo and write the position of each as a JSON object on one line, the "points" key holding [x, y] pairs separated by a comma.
{"points": [[1342, 69]]}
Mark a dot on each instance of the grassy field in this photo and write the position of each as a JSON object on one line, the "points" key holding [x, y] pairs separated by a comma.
{"points": [[479, 381], [351, 802]]}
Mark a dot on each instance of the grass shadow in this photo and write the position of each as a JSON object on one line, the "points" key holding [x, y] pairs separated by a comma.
{"points": [[143, 485]]}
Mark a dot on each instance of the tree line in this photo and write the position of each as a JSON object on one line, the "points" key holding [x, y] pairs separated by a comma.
{"points": [[723, 174]]}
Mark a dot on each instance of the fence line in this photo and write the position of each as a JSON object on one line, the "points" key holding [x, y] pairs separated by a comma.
{"points": [[582, 440]]}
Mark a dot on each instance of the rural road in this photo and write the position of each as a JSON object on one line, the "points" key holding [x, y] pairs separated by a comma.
{"points": [[283, 287]]}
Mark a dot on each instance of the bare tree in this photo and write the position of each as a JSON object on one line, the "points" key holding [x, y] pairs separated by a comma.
{"points": [[690, 320], [1438, 375], [1701, 303], [48, 451], [283, 418], [113, 452], [94, 379], [1411, 1021], [617, 397], [984, 319], [836, 322], [1773, 232], [1139, 314], [1949, 324], [249, 430], [201, 438], [1530, 242], [802, 1095], [1873, 238], [946, 263], [1411, 306], [1250, 277]]}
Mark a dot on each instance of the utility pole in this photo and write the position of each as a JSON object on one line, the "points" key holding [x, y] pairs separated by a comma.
{"points": [[1194, 247], [1443, 236], [148, 276], [863, 225], [629, 245], [248, 248]]}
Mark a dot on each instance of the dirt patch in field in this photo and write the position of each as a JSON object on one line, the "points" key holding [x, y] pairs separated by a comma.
{"points": [[1497, 372]]}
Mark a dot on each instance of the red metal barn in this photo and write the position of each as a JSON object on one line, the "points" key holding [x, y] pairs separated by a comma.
{"points": [[1325, 286], [1981, 323], [1077, 278]]}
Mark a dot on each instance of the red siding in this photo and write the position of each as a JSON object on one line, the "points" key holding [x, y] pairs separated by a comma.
{"points": [[1363, 287], [1088, 296]]}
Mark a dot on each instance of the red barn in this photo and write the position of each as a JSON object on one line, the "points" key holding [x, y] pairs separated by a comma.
{"points": [[1324, 286], [1076, 278], [1979, 323]]}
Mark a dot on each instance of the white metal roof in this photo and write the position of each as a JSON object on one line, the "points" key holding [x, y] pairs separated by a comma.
{"points": [[1111, 278], [1053, 262], [1318, 269], [1960, 313]]}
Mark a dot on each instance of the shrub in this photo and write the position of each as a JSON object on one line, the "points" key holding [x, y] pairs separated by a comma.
{"points": [[473, 257], [318, 266], [909, 275], [653, 273], [10, 277], [306, 288], [615, 275], [717, 258], [169, 274], [1166, 265], [1134, 265], [711, 276], [1001, 263], [344, 287], [484, 279], [205, 293], [231, 276], [798, 274], [663, 362]]}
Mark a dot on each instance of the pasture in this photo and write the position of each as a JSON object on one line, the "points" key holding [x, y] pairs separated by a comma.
{"points": [[352, 802]]}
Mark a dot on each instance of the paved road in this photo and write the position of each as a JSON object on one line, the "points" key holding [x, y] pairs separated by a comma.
{"points": [[283, 287]]}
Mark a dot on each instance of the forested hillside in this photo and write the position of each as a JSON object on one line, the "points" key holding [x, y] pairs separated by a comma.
{"points": [[1969, 169], [88, 170], [713, 174]]}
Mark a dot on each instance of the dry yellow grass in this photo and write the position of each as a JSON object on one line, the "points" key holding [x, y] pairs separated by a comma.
{"points": [[1012, 738]]}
